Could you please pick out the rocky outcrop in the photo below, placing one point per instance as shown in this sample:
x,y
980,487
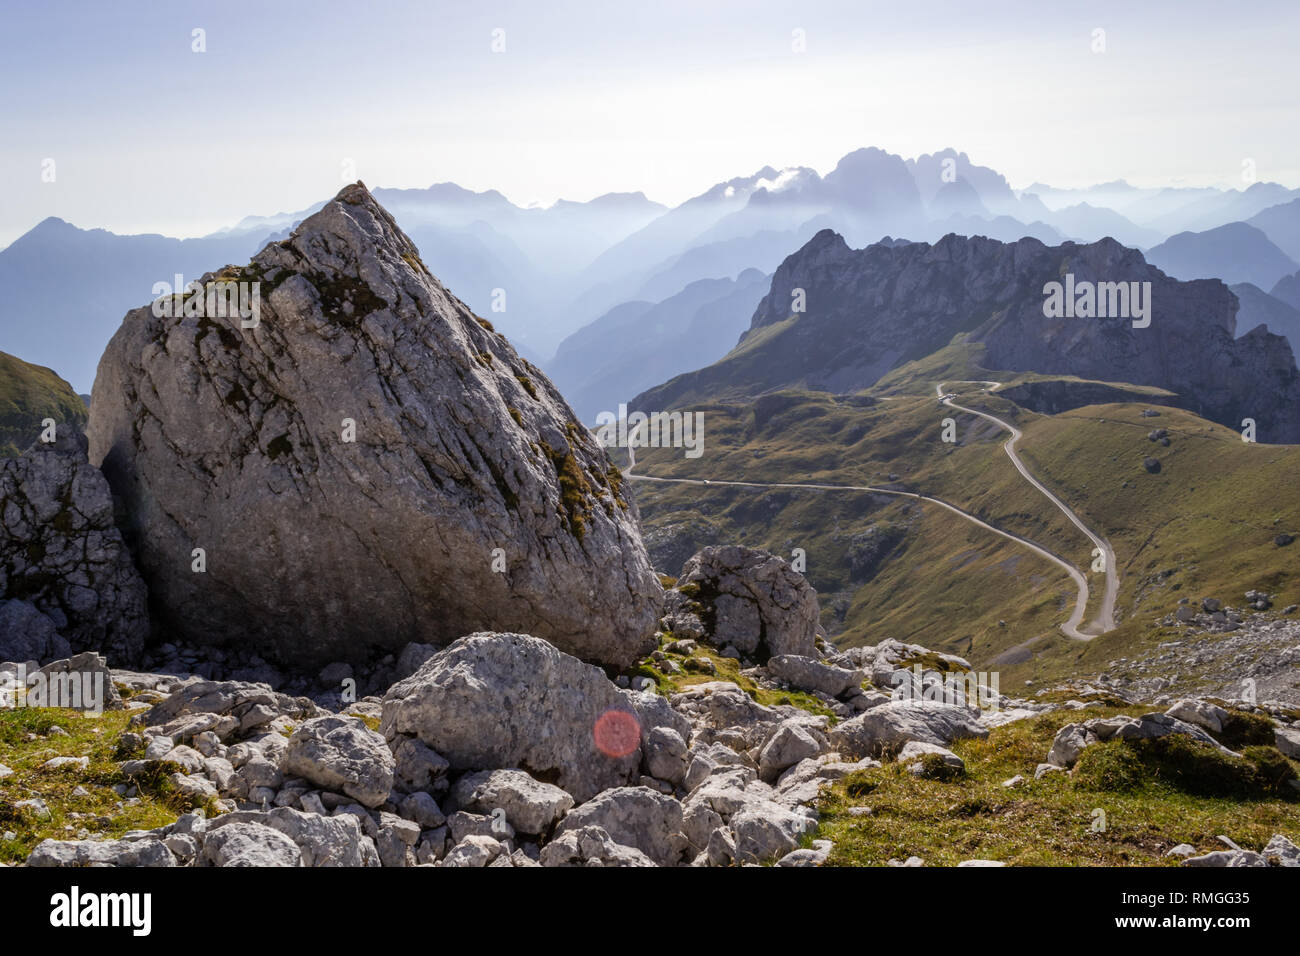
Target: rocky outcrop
x,y
1072,739
747,599
870,310
366,466
1054,395
61,554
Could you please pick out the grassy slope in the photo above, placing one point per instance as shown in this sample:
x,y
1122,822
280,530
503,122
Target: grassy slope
x,y
935,589
1046,822
1203,527
29,394
99,809
1209,516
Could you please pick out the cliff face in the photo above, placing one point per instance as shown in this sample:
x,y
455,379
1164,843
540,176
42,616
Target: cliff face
x,y
369,464
67,582
867,311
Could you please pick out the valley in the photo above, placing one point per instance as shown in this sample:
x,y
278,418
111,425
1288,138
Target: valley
x,y
1184,532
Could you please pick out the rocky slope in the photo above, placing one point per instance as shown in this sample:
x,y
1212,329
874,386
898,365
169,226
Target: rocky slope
x,y
501,750
370,465
873,309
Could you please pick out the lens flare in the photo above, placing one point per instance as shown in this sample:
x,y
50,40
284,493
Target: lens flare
x,y
617,733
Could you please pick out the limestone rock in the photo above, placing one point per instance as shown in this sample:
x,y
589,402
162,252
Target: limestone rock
x,y
344,755
765,830
530,806
474,851
792,742
815,855
336,841
86,673
100,853
633,816
1072,739
912,752
665,755
591,846
502,701
892,725
805,673
201,705
249,844
1287,740
349,463
26,634
1202,713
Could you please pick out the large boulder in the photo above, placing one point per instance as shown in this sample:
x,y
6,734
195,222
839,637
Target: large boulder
x,y
753,601
61,553
511,701
366,465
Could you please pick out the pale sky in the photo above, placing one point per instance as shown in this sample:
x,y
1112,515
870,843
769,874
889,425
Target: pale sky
x,y
667,98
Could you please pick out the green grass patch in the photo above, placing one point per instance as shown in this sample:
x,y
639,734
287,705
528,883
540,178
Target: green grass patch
x,y
1048,822
96,808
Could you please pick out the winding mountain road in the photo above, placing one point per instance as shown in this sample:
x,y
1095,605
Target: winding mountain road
x,y
1105,619
1070,628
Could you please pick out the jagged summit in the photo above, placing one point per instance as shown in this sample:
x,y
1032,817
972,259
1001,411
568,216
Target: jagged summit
x,y
870,310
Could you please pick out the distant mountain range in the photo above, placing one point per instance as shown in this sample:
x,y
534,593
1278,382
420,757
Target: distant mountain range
x,y
639,344
549,278
1236,252
1260,308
